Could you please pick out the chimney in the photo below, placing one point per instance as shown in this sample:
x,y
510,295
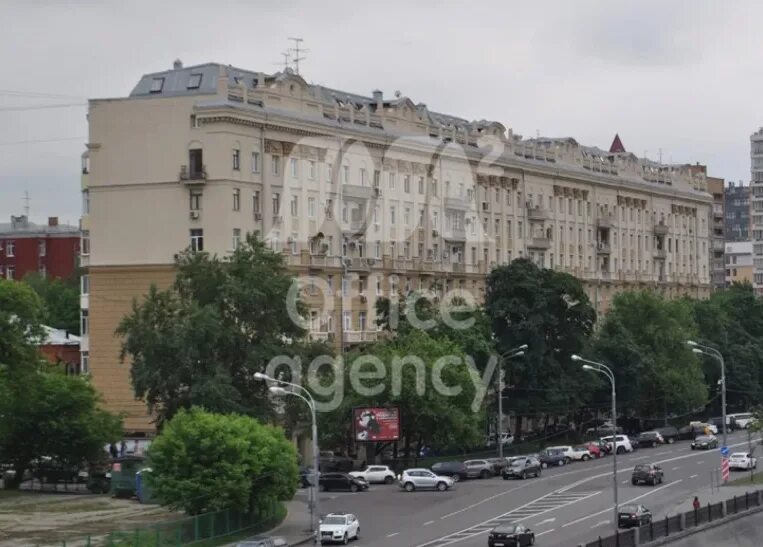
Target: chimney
x,y
52,221
178,64
378,99
222,81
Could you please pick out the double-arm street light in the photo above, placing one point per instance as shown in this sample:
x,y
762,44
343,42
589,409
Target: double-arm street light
x,y
606,371
511,354
298,391
712,352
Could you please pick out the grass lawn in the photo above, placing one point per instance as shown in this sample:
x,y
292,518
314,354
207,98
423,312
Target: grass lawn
x,y
742,478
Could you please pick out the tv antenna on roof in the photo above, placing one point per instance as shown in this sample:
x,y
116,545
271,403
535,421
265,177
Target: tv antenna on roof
x,y
286,62
26,200
297,51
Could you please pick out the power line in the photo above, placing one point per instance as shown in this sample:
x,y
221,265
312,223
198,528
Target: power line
x,y
36,95
39,107
36,141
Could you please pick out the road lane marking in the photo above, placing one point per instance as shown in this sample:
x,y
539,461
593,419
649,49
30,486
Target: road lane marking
x,y
700,461
625,481
602,523
694,476
546,521
546,532
641,458
623,503
663,453
428,522
675,468
392,535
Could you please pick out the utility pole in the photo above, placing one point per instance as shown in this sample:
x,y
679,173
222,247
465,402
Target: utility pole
x,y
297,51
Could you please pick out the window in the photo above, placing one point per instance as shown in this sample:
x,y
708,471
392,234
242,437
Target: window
x,y
407,184
392,181
311,207
236,159
236,239
345,174
345,286
84,282
156,85
196,164
377,178
294,167
195,201
10,272
10,248
84,244
84,322
362,320
194,82
378,286
197,240
236,199
311,170
377,249
276,203
275,165
255,162
346,320
421,185
256,201
392,215
362,174
41,247
434,187
407,216
85,202
294,206
329,173
85,362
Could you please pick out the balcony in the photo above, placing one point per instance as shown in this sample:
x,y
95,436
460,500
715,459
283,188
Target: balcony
x,y
314,261
660,228
321,336
719,245
357,264
537,214
542,243
360,336
193,176
604,222
606,275
456,203
660,254
455,235
353,191
603,248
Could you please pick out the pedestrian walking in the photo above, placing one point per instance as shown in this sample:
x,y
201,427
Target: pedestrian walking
x,y
696,503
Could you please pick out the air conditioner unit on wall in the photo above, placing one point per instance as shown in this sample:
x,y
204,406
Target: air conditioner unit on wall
x,y
194,215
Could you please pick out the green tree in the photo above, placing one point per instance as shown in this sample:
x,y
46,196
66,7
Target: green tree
x,y
550,312
643,339
200,342
205,462
60,299
44,412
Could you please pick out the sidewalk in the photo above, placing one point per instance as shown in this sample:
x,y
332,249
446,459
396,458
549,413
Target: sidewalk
x,y
714,495
295,528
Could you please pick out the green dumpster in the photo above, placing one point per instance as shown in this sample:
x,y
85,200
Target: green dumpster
x,y
123,472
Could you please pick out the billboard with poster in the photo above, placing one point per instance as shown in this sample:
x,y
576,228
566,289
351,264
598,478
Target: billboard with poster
x,y
376,424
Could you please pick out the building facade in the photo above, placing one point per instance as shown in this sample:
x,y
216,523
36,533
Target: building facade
x,y
51,250
738,262
716,188
756,208
61,347
737,210
365,196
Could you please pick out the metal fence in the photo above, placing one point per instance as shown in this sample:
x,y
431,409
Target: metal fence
x,y
674,524
186,531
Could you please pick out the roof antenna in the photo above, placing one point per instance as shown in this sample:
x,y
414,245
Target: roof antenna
x,y
26,200
297,50
285,61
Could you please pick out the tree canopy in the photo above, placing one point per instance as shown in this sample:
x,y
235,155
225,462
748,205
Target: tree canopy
x,y
60,298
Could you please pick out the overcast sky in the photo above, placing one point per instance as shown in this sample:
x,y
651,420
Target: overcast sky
x,y
685,77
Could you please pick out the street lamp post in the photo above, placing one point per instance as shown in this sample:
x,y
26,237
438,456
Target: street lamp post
x,y
512,353
305,395
606,371
712,352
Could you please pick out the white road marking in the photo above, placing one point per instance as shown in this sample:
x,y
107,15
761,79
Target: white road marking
x,y
662,453
602,523
625,481
694,476
700,461
641,458
392,535
546,521
675,468
546,532
428,522
623,503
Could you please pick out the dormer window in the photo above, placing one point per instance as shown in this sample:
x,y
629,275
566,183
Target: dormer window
x,y
156,85
194,82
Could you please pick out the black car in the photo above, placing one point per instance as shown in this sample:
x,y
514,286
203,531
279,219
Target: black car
x,y
649,438
633,515
514,535
704,442
552,457
521,468
455,470
669,433
647,473
341,481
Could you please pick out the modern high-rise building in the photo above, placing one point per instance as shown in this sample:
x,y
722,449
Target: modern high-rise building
x,y
365,196
737,212
756,208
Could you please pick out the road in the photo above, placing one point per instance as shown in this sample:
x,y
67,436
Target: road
x,y
565,506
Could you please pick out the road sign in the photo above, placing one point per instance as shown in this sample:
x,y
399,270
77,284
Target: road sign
x,y
725,451
724,469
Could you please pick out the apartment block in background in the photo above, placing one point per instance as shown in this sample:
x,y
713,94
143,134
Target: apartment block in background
x,y
51,250
366,196
756,208
736,209
738,262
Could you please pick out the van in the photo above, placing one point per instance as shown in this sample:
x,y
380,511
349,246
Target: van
x,y
741,420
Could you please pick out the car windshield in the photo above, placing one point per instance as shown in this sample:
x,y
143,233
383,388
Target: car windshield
x,y
702,439
629,509
641,467
739,455
335,520
509,529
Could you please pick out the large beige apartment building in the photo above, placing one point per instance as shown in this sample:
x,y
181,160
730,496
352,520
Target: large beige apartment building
x,y
365,195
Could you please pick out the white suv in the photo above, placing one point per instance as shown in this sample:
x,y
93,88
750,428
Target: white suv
x,y
424,479
568,451
339,528
622,444
375,473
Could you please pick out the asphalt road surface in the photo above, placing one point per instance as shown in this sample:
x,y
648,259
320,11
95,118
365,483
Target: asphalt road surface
x,y
566,506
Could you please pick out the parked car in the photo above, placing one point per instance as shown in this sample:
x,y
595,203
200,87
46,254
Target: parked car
x,y
603,446
339,528
341,481
479,468
263,541
595,449
622,444
511,534
581,454
669,433
424,479
499,464
549,457
567,450
329,462
704,442
506,437
649,438
455,470
633,515
522,468
648,473
741,420
742,460
603,429
376,473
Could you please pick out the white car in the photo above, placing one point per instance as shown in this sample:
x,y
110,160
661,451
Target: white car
x,y
742,460
741,421
581,453
424,479
339,528
568,451
622,444
376,473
